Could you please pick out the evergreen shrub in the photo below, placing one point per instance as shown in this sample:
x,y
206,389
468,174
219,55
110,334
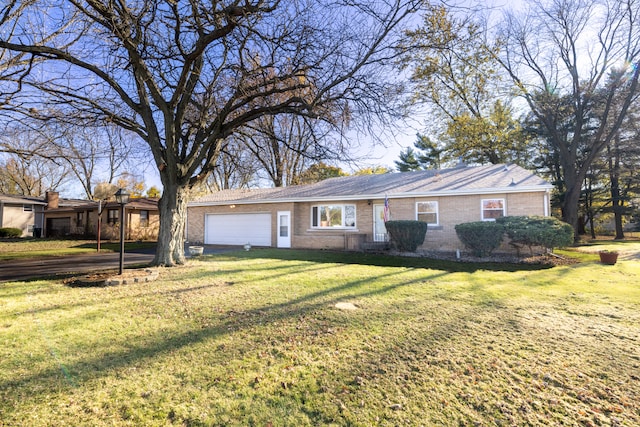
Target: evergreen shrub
x,y
481,237
531,231
10,232
406,235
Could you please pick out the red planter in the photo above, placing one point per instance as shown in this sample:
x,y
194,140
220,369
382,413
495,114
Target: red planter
x,y
609,258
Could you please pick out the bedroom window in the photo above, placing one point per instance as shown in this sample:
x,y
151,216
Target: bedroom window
x,y
113,216
333,216
427,212
492,209
144,218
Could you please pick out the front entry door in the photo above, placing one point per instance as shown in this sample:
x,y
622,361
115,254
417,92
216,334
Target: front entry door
x,y
284,229
379,230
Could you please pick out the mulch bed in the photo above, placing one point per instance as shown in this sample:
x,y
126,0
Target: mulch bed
x,y
540,259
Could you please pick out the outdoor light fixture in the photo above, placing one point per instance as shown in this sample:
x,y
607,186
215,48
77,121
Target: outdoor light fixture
x,y
122,197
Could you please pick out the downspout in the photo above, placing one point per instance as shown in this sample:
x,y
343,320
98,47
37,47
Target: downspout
x,y
128,224
546,203
41,220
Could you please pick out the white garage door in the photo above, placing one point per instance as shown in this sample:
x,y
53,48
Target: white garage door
x,y
238,229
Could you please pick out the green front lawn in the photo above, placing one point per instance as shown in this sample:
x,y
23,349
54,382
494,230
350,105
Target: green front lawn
x,y
255,338
38,248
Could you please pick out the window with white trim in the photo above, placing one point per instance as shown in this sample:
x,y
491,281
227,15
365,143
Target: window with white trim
x,y
333,216
492,209
27,208
427,212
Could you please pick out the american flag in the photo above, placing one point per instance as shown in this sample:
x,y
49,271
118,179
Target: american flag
x,y
386,213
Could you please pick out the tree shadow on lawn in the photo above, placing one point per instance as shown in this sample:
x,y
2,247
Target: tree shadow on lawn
x,y
163,342
261,274
384,260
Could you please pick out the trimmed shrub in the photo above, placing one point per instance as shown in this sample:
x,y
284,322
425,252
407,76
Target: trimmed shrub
x,y
531,231
406,235
481,237
10,232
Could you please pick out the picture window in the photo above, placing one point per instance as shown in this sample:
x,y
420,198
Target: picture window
x,y
333,216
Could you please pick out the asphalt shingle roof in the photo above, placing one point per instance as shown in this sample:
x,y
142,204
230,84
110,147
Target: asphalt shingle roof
x,y
12,198
459,180
81,204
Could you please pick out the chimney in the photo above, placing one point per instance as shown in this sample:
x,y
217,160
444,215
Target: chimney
x,y
51,197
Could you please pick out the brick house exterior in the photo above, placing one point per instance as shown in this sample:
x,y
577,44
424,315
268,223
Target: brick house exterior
x,y
347,212
75,217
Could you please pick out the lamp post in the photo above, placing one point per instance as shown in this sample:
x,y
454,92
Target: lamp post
x,y
122,197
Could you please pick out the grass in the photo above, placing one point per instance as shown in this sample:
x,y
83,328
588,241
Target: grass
x,y
254,338
33,248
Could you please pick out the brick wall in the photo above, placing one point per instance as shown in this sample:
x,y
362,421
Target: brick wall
x,y
452,210
196,217
89,226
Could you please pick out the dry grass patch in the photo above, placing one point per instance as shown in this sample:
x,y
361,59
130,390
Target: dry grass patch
x,y
255,339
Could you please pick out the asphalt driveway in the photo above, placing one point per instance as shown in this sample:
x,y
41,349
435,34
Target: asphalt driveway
x,y
34,268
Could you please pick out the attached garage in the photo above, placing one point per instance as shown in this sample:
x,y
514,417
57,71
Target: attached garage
x,y
58,227
238,229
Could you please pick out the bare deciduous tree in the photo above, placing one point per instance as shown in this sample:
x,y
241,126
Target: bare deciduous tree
x,y
563,56
88,154
236,167
95,154
13,66
30,175
186,75
285,145
24,19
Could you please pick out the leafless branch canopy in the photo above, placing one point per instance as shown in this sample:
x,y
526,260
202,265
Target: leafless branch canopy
x,y
185,75
577,65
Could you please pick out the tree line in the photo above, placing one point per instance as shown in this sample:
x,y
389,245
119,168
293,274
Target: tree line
x,y
221,93
552,87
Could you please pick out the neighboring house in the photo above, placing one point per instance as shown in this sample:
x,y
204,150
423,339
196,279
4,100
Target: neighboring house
x,y
346,212
23,212
72,217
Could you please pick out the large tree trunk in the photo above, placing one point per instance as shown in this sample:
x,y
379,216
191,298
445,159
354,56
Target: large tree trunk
x,y
617,211
614,177
173,216
588,205
223,66
570,207
617,206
